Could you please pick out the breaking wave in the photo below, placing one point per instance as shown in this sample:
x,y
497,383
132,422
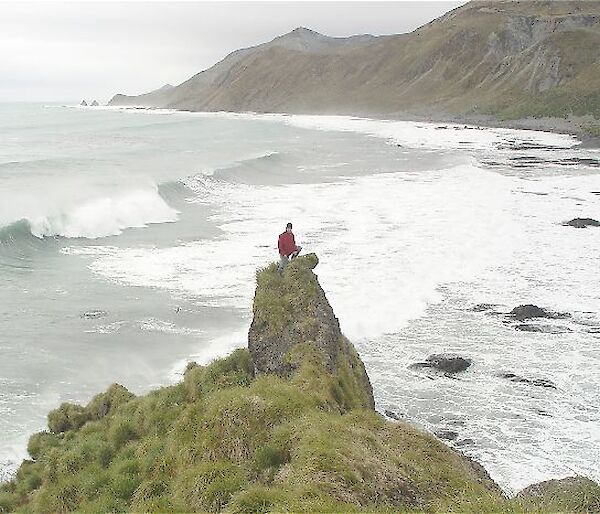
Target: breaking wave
x,y
91,219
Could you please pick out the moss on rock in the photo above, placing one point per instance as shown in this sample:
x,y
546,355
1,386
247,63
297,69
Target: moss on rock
x,y
291,310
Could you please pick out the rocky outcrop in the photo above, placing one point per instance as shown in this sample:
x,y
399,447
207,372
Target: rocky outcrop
x,y
582,223
446,363
292,310
95,103
529,311
288,427
83,103
540,382
484,307
543,329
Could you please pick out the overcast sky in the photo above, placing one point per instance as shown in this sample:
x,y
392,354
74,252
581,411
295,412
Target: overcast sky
x,y
67,51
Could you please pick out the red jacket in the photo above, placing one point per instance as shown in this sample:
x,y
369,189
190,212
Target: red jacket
x,y
287,244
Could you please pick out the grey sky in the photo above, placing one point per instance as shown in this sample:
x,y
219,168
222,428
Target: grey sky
x,y
66,51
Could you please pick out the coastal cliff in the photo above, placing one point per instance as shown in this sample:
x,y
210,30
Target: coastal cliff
x,y
288,425
494,61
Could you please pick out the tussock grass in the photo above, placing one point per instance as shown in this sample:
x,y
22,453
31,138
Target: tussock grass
x,y
230,441
226,440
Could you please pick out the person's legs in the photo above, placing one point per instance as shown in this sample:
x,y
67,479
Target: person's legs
x,y
283,262
295,254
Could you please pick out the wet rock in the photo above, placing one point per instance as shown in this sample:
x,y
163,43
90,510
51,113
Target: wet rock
x,y
582,223
528,311
539,382
575,161
392,415
94,314
544,329
446,363
467,441
483,307
446,435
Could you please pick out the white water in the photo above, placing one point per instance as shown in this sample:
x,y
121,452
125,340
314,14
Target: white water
x,y
406,246
386,242
105,216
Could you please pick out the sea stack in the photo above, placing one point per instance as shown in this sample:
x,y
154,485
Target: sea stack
x,y
291,314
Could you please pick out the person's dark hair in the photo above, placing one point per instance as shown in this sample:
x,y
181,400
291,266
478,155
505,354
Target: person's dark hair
x,y
289,225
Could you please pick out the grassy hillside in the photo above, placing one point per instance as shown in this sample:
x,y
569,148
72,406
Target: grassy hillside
x,y
505,59
228,439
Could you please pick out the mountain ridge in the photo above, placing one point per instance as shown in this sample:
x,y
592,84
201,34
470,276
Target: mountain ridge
x,y
501,60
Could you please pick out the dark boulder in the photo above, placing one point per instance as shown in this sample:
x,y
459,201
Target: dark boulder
x,y
83,103
540,382
446,363
95,314
484,307
529,311
392,415
447,435
582,223
464,442
544,329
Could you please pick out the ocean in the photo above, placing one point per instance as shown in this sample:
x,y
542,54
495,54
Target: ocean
x,y
130,239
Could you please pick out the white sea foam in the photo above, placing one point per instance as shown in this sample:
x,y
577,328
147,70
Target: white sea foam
x,y
390,230
431,135
412,134
107,216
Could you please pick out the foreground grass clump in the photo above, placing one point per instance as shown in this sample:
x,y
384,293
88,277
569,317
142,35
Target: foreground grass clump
x,y
225,440
234,439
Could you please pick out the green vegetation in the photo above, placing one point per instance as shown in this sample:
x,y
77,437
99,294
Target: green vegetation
x,y
279,297
559,103
225,439
576,494
592,129
292,308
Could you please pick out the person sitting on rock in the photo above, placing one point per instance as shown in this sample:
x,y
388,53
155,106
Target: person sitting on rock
x,y
287,247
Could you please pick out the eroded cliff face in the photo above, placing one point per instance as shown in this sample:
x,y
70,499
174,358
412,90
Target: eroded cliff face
x,y
291,313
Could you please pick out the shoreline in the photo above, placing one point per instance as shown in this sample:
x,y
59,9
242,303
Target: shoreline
x,y
572,126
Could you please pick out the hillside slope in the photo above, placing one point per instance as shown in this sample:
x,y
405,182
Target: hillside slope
x,y
508,59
